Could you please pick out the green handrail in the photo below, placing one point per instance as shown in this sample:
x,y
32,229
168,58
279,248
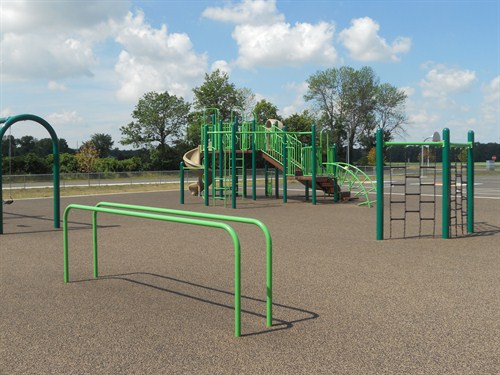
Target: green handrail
x,y
243,220
205,223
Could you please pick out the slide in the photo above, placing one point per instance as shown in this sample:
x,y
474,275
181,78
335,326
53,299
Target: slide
x,y
192,161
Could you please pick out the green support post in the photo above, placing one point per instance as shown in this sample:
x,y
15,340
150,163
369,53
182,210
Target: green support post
x,y
221,162
276,183
380,183
470,182
234,180
254,163
314,163
205,164
446,184
336,186
266,178
181,171
285,165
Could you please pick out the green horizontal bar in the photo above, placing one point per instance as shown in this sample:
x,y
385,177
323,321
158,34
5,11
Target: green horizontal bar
x,y
237,219
440,143
205,223
458,145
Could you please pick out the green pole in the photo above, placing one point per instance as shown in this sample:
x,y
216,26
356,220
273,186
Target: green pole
x,y
380,183
285,165
214,137
470,182
205,164
254,163
266,177
221,161
276,183
314,163
181,171
335,180
233,164
446,184
57,194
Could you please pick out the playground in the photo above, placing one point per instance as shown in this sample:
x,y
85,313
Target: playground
x,y
164,301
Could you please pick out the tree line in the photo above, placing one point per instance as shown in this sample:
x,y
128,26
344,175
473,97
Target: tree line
x,y
346,104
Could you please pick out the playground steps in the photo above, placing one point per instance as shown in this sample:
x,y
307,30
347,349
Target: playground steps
x,y
323,183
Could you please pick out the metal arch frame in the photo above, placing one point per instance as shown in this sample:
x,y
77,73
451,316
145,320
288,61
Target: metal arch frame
x,y
353,171
7,123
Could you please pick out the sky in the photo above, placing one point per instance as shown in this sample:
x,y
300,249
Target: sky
x,y
83,65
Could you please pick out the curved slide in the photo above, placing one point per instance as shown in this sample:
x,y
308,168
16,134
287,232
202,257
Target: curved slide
x,y
192,160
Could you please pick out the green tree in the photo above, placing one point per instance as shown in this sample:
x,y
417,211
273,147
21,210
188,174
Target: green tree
x,y
103,143
86,157
26,145
160,120
352,103
300,123
265,110
218,92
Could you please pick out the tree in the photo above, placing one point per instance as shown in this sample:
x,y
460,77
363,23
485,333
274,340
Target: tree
x,y
265,110
351,103
103,143
86,157
160,122
218,92
300,123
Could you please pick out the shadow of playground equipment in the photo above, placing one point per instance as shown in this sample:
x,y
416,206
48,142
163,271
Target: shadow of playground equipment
x,y
278,324
14,216
484,229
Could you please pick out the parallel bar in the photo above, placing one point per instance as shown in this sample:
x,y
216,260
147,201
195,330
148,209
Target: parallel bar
x,y
237,219
205,223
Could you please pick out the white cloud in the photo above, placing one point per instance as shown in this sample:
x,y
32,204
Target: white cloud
x,y
265,39
441,81
67,118
53,85
364,44
247,12
298,104
490,108
222,65
154,60
53,40
408,90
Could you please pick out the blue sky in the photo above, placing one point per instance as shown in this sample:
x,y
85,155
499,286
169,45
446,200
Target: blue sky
x,y
82,65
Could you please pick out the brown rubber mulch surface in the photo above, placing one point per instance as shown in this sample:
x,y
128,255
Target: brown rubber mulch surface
x,y
344,303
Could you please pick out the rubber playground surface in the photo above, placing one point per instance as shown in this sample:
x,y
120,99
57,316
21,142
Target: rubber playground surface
x,y
343,303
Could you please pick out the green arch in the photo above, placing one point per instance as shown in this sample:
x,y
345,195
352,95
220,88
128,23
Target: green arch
x,y
356,180
8,122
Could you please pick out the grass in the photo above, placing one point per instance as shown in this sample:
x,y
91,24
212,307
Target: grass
x,y
86,190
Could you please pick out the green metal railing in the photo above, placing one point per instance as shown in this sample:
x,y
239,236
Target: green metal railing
x,y
236,219
198,222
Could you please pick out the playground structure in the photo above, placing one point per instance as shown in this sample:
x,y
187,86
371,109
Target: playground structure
x,y
7,123
221,161
177,216
457,188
